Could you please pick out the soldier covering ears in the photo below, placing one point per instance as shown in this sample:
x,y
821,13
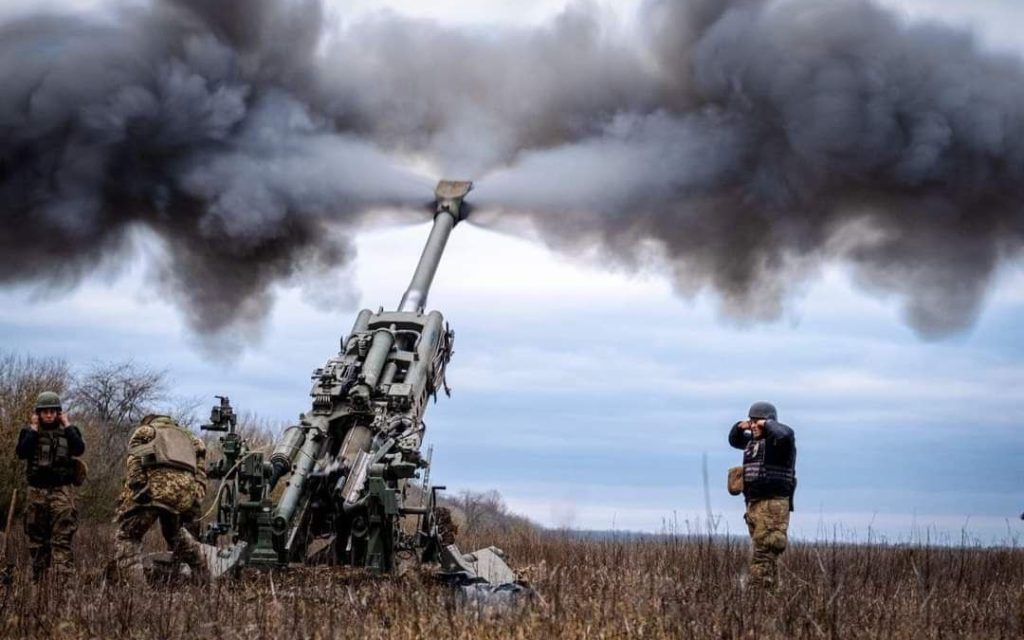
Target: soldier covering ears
x,y
768,483
49,445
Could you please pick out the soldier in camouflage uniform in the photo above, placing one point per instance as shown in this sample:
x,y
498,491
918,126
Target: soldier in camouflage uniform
x,y
165,483
48,445
769,480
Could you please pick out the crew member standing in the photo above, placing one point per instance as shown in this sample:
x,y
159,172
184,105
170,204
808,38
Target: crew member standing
x,y
48,446
769,480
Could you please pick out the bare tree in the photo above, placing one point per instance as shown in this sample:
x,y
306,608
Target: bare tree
x,y
109,400
184,410
118,394
484,511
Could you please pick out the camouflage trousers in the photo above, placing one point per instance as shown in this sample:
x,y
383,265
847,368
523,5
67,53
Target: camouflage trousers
x,y
768,522
51,521
132,527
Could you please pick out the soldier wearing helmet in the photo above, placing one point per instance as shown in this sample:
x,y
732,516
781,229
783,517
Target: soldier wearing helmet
x,y
769,480
165,483
49,445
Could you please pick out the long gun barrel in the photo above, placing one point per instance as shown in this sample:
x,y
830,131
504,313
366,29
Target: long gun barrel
x,y
349,459
449,195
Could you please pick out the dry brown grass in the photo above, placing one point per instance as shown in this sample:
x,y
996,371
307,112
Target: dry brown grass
x,y
666,588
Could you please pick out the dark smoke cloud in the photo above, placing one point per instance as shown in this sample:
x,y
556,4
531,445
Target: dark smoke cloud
x,y
473,99
789,133
188,119
738,145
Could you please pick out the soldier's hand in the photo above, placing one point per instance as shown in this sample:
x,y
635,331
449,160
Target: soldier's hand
x,y
63,419
34,421
744,425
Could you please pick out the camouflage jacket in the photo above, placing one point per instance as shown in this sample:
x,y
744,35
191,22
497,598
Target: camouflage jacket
x,y
169,488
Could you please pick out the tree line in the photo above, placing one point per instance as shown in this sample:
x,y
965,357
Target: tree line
x,y
107,400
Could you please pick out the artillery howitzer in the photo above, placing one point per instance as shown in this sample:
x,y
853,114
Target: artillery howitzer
x,y
350,458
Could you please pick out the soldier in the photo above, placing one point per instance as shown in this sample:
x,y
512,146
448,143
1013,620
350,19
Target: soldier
x,y
165,482
769,480
48,445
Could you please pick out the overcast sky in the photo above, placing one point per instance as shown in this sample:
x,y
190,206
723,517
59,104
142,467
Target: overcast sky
x,y
588,397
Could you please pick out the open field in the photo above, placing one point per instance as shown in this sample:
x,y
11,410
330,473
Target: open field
x,y
666,588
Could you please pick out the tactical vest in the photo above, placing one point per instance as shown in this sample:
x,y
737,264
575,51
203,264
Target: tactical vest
x,y
171,448
52,465
768,469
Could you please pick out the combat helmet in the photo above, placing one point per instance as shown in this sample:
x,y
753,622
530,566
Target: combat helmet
x,y
48,400
763,411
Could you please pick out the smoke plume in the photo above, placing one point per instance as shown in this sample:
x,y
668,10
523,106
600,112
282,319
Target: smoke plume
x,y
786,134
188,118
738,145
